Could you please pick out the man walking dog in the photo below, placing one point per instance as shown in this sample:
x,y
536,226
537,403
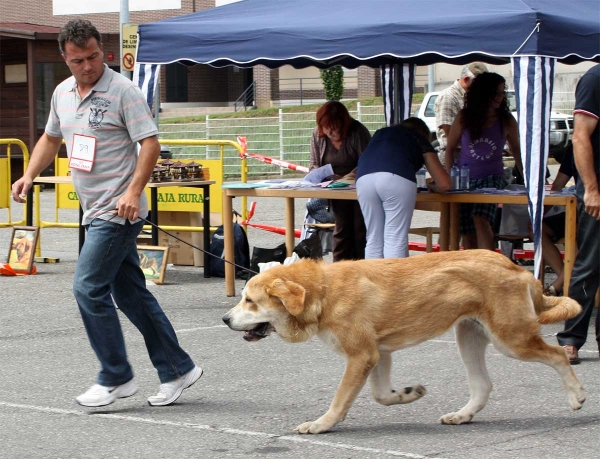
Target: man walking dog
x,y
103,116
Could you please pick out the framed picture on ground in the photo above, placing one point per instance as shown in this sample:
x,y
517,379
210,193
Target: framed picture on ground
x,y
23,242
153,261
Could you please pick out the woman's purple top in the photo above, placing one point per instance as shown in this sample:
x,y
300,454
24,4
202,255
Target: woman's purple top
x,y
484,155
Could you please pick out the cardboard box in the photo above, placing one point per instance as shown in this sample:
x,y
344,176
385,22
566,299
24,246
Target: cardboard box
x,y
180,253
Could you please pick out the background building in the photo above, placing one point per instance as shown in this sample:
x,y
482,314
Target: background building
x,y
31,66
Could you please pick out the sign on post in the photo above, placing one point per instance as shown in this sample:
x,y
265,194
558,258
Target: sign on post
x,y
129,45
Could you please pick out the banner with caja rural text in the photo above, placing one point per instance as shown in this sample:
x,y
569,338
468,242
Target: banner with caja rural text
x,y
175,198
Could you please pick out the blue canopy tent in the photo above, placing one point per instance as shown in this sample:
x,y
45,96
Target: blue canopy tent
x,y
396,35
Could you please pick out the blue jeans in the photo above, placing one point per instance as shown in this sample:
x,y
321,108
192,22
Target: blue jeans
x,y
109,265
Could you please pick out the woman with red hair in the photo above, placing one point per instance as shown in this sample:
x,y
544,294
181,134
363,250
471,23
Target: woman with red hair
x,y
339,140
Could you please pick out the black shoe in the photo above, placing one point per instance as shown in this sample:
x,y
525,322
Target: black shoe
x,y
572,354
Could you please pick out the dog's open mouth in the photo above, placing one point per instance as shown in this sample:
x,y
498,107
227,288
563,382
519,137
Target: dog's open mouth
x,y
261,331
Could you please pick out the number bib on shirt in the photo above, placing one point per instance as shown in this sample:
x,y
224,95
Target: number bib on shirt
x,y
83,152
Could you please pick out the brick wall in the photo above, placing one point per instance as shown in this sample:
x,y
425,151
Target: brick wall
x,y
40,12
235,80
308,94
369,82
263,76
206,84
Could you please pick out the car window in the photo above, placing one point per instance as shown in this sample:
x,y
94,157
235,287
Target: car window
x,y
512,101
430,103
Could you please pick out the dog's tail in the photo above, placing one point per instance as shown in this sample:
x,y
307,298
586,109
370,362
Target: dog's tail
x,y
556,309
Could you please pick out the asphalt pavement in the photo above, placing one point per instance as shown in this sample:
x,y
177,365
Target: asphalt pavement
x,y
253,395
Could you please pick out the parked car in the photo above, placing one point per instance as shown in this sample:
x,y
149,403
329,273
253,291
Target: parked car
x,y
561,125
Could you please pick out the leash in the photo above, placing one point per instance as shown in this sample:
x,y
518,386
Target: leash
x,y
198,248
181,240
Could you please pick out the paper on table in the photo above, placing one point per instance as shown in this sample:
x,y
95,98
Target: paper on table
x,y
319,174
245,185
346,181
293,184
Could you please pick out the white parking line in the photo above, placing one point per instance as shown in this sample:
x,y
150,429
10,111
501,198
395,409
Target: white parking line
x,y
225,430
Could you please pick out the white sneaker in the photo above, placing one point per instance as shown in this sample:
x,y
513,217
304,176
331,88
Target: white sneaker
x,y
98,395
171,391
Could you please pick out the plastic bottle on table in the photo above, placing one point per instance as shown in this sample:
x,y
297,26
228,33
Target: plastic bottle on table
x,y
464,177
455,177
421,178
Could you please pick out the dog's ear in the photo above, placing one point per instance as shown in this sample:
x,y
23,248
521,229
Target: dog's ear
x,y
291,295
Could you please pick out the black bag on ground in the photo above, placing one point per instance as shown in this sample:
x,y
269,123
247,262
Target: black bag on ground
x,y
241,252
264,255
310,247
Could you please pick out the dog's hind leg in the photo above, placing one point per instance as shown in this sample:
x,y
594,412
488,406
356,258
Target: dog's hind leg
x,y
381,385
472,342
533,348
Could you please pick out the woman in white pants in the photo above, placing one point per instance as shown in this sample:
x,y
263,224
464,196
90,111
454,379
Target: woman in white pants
x,y
387,187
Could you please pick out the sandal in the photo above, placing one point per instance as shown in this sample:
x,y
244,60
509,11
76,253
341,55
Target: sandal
x,y
550,290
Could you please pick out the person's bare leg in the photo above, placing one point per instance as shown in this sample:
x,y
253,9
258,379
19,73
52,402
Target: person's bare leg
x,y
469,241
553,258
485,235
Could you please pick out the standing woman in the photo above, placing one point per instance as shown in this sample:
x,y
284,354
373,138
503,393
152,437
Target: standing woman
x,y
387,187
339,140
483,127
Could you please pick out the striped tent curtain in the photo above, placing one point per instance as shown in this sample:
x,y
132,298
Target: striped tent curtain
x,y
397,104
534,81
146,77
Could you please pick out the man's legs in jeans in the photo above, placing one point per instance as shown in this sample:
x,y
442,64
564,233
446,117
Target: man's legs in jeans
x,y
108,263
584,280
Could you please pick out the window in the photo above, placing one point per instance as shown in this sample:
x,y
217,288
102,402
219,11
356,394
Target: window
x,y
49,75
15,73
430,103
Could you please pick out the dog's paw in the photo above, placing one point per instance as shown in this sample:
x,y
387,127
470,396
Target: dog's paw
x,y
455,418
312,427
407,395
576,399
411,393
323,424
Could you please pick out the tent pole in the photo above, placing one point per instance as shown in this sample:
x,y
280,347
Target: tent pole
x,y
123,19
431,78
397,89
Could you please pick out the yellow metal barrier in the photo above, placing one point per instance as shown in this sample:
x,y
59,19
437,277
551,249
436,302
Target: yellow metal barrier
x,y
169,198
5,179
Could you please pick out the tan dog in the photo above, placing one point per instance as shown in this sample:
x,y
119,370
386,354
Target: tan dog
x,y
368,309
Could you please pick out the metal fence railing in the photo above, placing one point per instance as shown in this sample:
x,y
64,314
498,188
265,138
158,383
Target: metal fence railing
x,y
309,90
563,102
6,181
246,99
285,137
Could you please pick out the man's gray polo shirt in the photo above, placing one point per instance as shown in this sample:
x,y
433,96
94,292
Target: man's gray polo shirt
x,y
115,112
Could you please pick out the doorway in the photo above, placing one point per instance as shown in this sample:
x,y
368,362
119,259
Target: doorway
x,y
177,83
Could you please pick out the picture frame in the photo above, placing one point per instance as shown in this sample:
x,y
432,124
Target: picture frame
x,y
153,262
21,253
